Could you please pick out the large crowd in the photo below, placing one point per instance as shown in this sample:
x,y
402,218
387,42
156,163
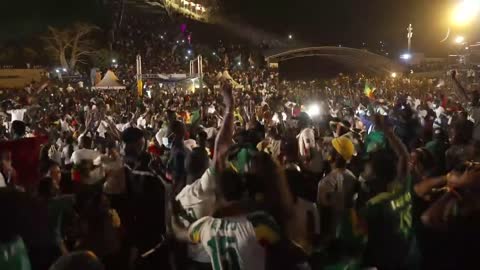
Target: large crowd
x,y
249,172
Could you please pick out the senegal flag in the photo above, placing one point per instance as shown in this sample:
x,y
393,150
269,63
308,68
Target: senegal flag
x,y
369,91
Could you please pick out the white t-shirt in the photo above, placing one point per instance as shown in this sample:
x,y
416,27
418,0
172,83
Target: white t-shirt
x,y
121,127
66,156
235,240
84,154
162,133
64,125
198,199
17,115
338,187
211,132
102,129
306,141
141,122
3,183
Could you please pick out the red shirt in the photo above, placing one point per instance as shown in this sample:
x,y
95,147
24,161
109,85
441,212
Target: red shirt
x,y
25,158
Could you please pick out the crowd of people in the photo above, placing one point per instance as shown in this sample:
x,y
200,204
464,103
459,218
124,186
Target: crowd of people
x,y
249,172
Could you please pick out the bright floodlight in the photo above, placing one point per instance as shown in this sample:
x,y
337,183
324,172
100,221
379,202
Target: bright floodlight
x,y
239,63
394,74
290,36
459,39
313,110
465,12
189,52
64,70
57,70
114,60
406,56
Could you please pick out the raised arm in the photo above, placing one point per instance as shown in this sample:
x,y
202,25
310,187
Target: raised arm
x,y
397,146
459,85
225,135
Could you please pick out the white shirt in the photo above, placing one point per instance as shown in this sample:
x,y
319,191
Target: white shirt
x,y
306,141
141,122
64,125
198,199
162,133
232,240
84,154
2,181
17,115
102,129
211,132
121,127
338,187
66,156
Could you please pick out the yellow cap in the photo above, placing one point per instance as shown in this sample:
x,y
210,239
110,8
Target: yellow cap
x,y
344,147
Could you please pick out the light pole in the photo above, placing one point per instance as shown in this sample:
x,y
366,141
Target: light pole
x,y
409,37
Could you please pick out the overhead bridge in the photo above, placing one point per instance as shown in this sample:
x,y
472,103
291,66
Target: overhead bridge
x,y
355,59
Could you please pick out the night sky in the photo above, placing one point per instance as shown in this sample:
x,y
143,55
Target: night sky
x,y
350,22
313,22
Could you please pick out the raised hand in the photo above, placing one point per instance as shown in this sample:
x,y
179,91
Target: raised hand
x,y
454,74
88,120
227,91
467,179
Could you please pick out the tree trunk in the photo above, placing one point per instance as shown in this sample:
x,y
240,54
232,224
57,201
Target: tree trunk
x,y
63,59
74,56
73,62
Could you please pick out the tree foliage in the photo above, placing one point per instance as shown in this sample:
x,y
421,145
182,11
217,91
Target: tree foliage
x,y
103,58
71,45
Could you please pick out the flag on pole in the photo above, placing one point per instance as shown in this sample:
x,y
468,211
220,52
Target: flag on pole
x,y
251,61
225,60
238,59
369,91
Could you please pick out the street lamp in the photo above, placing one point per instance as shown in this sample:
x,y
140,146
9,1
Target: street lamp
x,y
290,36
406,56
465,12
394,75
460,40
114,61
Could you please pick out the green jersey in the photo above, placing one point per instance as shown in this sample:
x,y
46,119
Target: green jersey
x,y
391,241
14,256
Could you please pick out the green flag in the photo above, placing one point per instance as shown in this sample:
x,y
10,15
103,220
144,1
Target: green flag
x,y
195,117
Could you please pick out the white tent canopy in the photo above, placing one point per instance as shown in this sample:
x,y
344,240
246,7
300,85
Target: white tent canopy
x,y
109,81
